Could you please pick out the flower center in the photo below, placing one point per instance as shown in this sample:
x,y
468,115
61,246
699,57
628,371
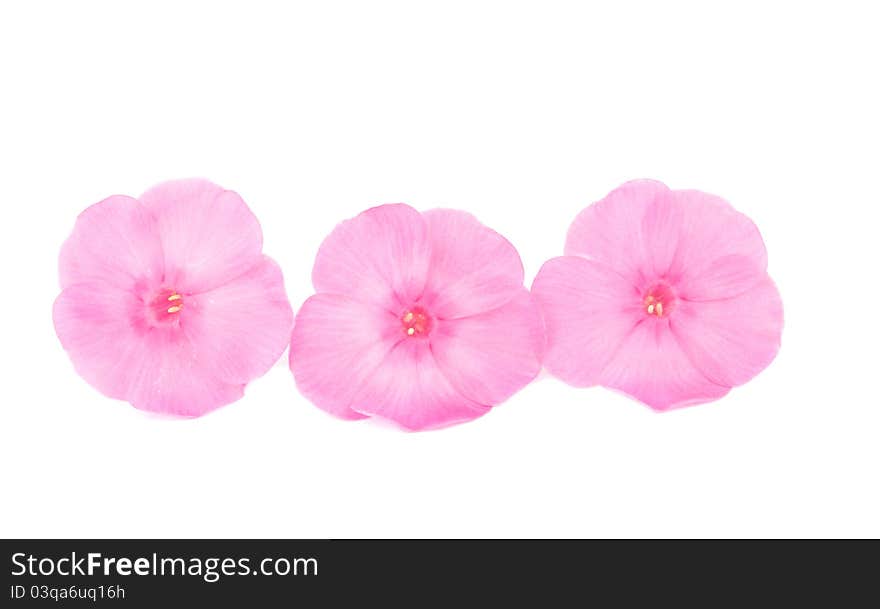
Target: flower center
x,y
416,322
165,307
659,300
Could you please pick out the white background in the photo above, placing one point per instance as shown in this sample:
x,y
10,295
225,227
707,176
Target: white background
x,y
522,113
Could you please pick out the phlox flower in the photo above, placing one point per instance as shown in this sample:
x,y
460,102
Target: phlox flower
x,y
419,318
168,302
661,294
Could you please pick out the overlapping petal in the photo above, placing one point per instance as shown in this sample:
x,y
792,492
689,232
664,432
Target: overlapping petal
x,y
588,311
242,327
610,231
731,340
473,269
97,324
209,235
337,344
490,356
410,389
652,367
169,376
155,369
697,239
380,256
710,229
115,241
725,277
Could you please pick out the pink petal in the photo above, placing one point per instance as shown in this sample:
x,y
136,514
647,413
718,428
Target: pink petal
x,y
732,340
102,329
724,277
95,323
661,234
648,232
380,256
651,366
169,376
336,346
241,328
115,241
609,231
588,311
410,389
209,236
473,268
696,237
491,356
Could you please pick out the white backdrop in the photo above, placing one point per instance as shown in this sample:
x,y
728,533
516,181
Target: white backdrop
x,y
522,113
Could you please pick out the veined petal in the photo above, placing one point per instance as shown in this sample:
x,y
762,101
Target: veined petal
x,y
209,235
97,325
473,269
588,311
168,376
409,388
336,347
609,231
380,256
115,241
723,278
661,234
732,340
241,328
651,366
103,330
712,240
491,356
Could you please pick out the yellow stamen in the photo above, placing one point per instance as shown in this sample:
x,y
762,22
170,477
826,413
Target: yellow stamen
x,y
411,331
651,309
659,309
408,317
173,297
174,309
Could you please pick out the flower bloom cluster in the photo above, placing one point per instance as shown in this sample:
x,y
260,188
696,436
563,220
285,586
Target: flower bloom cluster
x,y
168,303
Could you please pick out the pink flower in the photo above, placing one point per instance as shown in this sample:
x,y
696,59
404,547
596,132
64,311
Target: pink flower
x,y
168,301
663,295
419,318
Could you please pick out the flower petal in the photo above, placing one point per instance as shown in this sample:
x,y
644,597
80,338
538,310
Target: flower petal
x,y
706,240
410,389
724,277
241,328
491,356
609,230
96,325
651,366
209,235
155,369
336,346
473,269
168,376
661,234
380,256
732,340
115,241
588,311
